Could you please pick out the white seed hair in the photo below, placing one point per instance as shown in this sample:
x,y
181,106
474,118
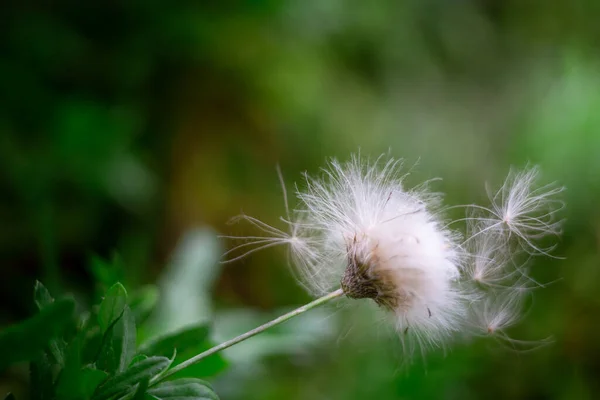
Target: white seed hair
x,y
490,256
358,226
520,209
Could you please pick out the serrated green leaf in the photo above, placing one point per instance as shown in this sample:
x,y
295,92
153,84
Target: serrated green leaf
x,y
112,306
118,347
143,301
185,388
26,341
188,341
126,380
41,296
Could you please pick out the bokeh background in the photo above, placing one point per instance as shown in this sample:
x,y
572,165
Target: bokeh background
x,y
134,130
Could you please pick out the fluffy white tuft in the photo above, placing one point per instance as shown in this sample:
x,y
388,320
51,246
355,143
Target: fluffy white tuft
x,y
360,212
520,209
357,226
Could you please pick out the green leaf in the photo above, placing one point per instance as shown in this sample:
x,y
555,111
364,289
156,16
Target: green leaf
x,y
143,301
26,341
158,376
90,378
43,299
138,358
80,384
10,396
107,273
112,306
126,380
57,348
41,383
142,387
91,343
69,375
182,340
78,380
186,388
118,347
41,296
189,341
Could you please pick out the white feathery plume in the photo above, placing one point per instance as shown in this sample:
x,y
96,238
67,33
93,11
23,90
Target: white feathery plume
x,y
489,256
520,209
357,226
386,243
498,311
300,246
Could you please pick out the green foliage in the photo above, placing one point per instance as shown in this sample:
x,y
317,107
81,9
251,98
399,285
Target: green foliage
x,y
112,306
56,346
123,382
123,124
25,341
41,377
80,383
188,388
142,302
188,342
42,296
118,347
181,340
95,356
106,272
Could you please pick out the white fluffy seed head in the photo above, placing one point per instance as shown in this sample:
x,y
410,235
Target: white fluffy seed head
x,y
386,243
357,226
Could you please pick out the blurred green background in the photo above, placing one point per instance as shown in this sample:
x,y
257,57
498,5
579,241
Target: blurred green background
x,y
139,128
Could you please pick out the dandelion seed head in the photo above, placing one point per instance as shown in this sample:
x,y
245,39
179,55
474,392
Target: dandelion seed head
x,y
386,243
357,225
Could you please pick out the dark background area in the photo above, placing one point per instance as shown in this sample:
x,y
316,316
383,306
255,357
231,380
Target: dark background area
x,y
139,128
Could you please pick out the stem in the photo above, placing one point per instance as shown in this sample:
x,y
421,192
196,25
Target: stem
x,y
251,333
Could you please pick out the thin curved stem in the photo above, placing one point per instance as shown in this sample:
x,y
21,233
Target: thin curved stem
x,y
197,358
